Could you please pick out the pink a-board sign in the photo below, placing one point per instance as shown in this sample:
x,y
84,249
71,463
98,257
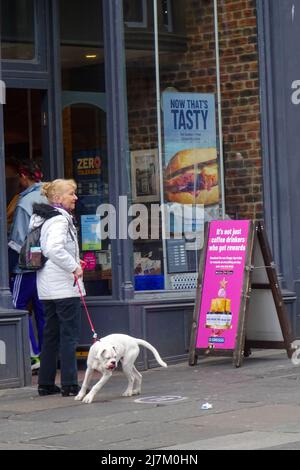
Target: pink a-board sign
x,y
222,284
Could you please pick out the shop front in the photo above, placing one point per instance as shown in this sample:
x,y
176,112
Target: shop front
x,y
153,108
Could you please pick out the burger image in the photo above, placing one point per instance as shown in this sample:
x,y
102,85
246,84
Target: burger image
x,y
191,177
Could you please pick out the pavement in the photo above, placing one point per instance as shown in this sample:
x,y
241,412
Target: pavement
x,y
256,406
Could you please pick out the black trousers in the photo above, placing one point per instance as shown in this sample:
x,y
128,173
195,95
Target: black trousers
x,y
61,336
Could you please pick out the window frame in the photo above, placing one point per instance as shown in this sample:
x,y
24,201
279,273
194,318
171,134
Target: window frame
x,y
139,24
39,62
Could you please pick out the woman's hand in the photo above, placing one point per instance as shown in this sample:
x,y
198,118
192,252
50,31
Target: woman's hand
x,y
82,264
78,272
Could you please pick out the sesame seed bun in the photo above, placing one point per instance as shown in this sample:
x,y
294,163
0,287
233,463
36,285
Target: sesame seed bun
x,y
191,177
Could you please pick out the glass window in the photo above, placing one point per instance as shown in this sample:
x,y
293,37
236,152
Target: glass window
x,y
180,179
84,132
189,140
143,146
17,29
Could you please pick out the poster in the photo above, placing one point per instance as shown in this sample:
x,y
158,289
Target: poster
x,y
88,175
190,153
191,179
90,232
145,175
222,284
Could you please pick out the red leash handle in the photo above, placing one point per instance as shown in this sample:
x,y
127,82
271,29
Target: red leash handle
x,y
95,336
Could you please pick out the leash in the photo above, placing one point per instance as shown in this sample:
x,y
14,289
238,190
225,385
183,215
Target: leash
x,y
95,336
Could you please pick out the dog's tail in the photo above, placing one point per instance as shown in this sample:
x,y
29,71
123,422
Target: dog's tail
x,y
147,345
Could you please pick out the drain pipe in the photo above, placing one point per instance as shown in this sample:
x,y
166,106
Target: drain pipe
x,y
219,104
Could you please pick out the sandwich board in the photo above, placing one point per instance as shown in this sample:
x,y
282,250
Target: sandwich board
x,y
238,299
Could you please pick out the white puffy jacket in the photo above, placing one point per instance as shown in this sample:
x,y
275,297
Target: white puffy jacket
x,y
59,244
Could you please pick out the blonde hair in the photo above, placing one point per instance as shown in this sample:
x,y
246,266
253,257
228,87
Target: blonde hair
x,y
56,188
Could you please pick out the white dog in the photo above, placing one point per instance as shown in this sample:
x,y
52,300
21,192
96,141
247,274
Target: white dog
x,y
104,356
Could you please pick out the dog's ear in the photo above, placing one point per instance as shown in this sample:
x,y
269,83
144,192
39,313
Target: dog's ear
x,y
103,352
99,354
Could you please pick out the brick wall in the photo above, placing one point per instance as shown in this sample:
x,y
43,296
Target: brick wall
x,y
194,70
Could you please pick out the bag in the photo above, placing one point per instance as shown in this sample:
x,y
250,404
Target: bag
x,y
31,257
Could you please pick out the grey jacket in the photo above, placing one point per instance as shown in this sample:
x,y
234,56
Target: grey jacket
x,y
20,224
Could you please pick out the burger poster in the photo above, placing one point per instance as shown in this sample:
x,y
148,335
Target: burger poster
x,y
190,153
222,284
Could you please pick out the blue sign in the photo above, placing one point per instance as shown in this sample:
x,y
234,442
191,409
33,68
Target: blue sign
x,y
90,232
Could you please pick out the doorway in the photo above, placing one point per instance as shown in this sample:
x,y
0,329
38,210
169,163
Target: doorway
x,y
23,133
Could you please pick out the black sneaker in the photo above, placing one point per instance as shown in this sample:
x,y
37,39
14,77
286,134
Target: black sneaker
x,y
48,390
67,390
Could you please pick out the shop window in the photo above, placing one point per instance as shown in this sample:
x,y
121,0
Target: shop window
x,y
84,133
17,29
144,165
183,187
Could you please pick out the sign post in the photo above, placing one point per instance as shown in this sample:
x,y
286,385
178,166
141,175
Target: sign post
x,y
238,301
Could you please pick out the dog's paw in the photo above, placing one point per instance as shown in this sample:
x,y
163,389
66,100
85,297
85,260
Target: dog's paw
x,y
88,398
127,393
79,396
136,392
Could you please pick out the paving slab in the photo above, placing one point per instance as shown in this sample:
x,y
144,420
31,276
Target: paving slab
x,y
245,441
249,403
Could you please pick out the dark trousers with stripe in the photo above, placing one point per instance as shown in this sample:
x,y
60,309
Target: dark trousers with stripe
x,y
61,337
24,291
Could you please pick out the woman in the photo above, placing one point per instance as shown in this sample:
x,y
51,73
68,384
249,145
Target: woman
x,y
57,289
